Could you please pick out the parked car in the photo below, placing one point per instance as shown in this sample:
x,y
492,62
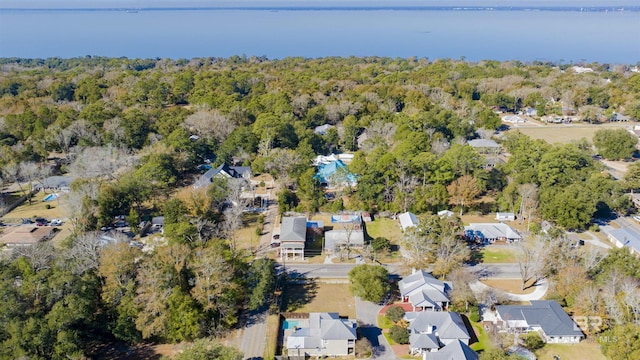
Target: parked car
x,y
275,240
41,222
27,221
636,218
55,222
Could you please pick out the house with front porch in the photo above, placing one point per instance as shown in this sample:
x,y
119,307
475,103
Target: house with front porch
x,y
321,334
424,291
293,235
430,331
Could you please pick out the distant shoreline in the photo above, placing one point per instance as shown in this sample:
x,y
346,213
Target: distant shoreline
x,y
333,7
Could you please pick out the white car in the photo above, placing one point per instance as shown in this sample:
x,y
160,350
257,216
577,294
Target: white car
x,y
55,222
636,218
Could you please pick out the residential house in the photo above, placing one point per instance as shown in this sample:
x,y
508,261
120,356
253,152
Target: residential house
x,y
293,234
424,291
491,232
223,171
321,334
335,174
446,213
26,235
624,237
408,220
505,216
489,150
544,316
485,146
430,331
351,231
322,129
618,117
457,350
514,119
335,238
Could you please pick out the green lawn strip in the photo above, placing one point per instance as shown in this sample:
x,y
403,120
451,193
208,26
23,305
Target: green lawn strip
x,y
384,323
389,339
484,343
498,256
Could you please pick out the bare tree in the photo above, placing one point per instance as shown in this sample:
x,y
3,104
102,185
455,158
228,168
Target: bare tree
x,y
106,162
531,260
529,203
40,256
210,125
451,253
417,248
79,202
461,292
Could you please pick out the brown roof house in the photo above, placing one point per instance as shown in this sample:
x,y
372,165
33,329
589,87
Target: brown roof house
x,y
17,236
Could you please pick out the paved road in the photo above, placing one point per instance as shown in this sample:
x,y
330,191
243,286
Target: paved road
x,y
497,271
337,271
253,337
540,290
367,313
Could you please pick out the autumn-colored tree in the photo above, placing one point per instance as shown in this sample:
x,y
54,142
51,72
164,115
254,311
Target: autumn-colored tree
x,y
463,191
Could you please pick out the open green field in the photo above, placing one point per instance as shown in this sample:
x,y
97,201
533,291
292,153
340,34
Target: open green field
x,y
563,134
384,227
319,297
498,254
585,350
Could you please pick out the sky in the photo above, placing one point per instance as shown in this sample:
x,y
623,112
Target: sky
x,y
209,3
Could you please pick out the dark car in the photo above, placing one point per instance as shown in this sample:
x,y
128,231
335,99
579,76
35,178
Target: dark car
x,y
27,221
41,222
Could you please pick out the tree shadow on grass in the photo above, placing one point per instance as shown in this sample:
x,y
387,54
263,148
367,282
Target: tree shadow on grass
x,y
298,293
472,334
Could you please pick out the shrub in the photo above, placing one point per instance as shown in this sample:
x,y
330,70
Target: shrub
x,y
399,334
395,313
380,243
533,341
474,314
47,206
363,348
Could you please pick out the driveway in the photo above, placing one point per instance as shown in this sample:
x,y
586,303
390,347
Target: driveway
x,y
541,289
367,314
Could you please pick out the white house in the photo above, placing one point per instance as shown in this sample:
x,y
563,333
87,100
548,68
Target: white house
x,y
505,216
491,232
429,331
424,292
544,316
408,220
322,334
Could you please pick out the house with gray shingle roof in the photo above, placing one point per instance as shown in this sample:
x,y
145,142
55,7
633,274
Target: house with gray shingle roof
x,y
322,334
223,171
457,350
424,291
544,316
429,331
293,235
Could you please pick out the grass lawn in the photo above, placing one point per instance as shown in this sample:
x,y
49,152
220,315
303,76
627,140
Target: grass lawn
x,y
384,227
37,208
273,323
484,343
585,350
513,286
319,297
498,255
562,133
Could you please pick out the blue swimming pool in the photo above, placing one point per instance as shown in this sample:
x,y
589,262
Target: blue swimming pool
x,y
289,324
